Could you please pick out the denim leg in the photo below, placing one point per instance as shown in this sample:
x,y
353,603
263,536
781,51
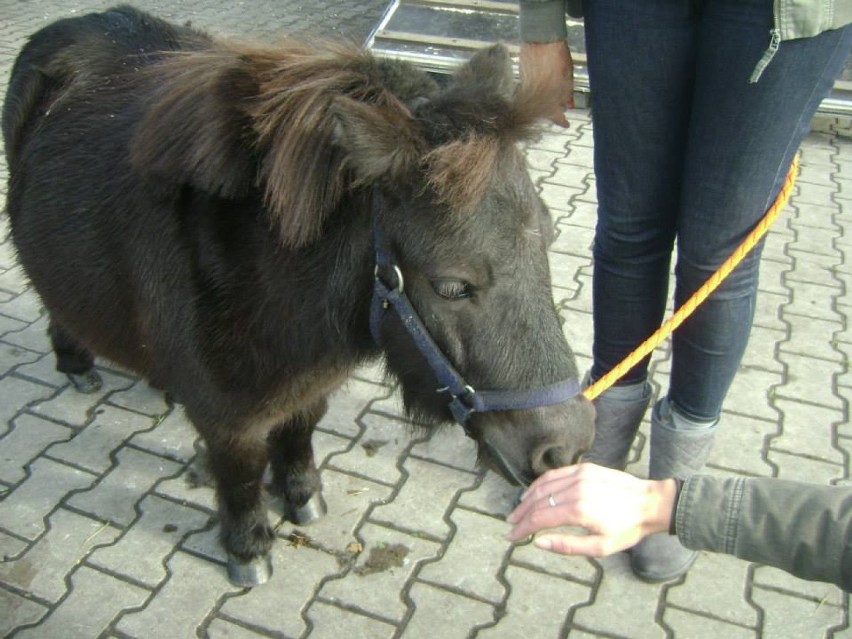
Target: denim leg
x,y
641,56
741,140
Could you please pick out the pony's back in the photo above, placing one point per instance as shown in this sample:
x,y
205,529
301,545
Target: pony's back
x,y
93,45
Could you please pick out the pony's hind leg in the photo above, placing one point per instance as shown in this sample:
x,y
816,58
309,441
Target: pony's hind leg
x,y
295,477
74,360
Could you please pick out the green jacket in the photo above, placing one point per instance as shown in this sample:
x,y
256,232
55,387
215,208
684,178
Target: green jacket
x,y
544,20
804,529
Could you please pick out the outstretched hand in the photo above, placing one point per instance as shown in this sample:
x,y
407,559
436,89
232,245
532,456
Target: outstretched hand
x,y
550,64
615,508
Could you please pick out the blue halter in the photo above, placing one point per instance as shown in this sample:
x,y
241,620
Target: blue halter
x,y
464,400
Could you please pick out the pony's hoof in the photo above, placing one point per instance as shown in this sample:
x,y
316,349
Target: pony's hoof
x,y
312,510
88,382
248,574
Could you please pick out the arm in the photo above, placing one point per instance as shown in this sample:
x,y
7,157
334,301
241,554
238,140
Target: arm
x,y
545,56
804,529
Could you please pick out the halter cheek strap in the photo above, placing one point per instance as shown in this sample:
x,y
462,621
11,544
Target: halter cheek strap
x,y
463,400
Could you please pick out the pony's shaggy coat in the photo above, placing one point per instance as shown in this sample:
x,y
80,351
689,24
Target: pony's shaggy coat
x,y
199,212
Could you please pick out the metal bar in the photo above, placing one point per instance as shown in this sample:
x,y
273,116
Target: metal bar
x,y
509,8
455,43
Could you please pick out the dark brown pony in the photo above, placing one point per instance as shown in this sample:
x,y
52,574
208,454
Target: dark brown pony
x,y
200,213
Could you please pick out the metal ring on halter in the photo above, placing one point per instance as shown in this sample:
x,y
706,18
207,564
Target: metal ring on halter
x,y
400,281
551,501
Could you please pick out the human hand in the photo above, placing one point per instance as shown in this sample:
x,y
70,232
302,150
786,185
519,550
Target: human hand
x,y
616,508
550,63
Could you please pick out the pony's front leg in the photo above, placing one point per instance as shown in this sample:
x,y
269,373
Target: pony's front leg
x,y
295,477
237,464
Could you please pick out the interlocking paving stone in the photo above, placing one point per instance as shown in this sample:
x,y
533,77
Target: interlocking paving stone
x,y
141,551
140,398
30,336
786,616
771,578
748,396
685,624
740,444
279,605
18,611
762,341
807,429
622,606
699,590
573,568
797,342
183,603
391,436
29,436
173,437
537,603
15,395
420,505
448,446
93,446
476,536
440,613
43,370
26,307
92,603
330,622
114,497
75,408
801,468
808,380
12,357
493,496
42,569
387,562
24,509
787,415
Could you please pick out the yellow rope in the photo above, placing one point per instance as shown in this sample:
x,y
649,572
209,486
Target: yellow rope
x,y
701,294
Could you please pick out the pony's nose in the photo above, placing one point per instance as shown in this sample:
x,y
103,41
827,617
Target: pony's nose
x,y
550,456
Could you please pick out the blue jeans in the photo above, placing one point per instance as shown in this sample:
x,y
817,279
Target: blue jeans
x,y
688,151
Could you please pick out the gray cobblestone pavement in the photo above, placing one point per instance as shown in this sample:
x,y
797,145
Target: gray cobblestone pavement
x,y
104,534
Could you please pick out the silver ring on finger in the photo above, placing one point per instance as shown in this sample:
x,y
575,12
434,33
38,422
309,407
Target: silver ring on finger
x,y
551,501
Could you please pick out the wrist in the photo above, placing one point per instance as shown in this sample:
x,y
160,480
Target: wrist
x,y
660,501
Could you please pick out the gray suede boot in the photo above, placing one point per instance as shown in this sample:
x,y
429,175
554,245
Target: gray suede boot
x,y
679,448
619,410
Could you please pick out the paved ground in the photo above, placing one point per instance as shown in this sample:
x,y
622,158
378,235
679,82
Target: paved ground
x,y
103,534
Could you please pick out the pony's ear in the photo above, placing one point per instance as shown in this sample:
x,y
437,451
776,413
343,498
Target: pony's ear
x,y
381,143
195,131
489,68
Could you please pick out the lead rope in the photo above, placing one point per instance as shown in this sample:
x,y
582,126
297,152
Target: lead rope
x,y
669,326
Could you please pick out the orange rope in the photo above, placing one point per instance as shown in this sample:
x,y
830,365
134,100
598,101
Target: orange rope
x,y
701,294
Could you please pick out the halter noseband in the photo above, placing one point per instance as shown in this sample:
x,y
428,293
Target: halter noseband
x,y
464,399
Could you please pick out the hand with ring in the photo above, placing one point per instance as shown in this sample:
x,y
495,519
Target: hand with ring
x,y
615,508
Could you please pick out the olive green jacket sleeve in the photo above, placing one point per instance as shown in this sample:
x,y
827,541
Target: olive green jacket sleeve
x,y
804,529
544,20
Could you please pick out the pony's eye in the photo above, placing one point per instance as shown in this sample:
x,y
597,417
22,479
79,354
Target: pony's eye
x,y
452,289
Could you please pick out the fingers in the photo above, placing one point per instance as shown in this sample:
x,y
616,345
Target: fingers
x,y
585,545
559,483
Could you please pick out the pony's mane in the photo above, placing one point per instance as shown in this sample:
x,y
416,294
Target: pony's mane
x,y
286,104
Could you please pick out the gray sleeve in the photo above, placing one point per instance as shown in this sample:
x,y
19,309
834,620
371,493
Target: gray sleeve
x,y
804,529
542,20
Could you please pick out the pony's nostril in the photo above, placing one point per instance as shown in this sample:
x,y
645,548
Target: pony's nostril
x,y
555,457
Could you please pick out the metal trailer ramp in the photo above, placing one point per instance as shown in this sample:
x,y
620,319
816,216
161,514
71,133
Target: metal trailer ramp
x,y
437,35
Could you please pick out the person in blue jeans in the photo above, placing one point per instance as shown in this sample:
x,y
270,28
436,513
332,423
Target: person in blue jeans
x,y
698,107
